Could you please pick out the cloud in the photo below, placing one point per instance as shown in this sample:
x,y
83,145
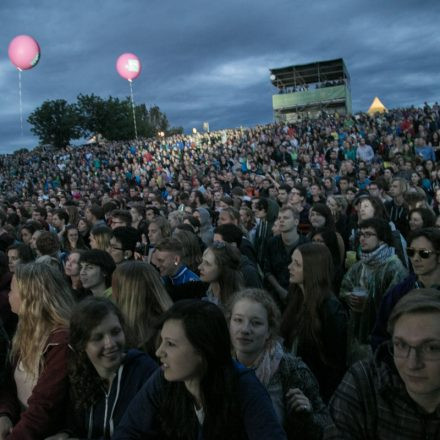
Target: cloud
x,y
211,60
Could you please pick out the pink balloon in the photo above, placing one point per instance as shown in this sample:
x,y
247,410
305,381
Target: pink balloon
x,y
24,52
128,66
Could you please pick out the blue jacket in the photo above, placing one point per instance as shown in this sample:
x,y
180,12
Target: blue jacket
x,y
259,419
99,421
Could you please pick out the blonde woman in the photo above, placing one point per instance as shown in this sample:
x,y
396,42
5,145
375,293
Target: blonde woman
x,y
141,296
32,400
100,238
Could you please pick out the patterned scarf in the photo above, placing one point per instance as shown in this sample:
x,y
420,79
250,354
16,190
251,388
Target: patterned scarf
x,y
378,256
267,363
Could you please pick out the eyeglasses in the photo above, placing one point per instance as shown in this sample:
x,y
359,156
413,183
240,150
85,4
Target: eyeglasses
x,y
423,253
367,234
428,351
115,248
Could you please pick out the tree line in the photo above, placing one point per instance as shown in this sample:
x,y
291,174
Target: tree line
x,y
57,122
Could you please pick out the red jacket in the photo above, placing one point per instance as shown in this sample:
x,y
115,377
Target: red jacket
x,y
46,405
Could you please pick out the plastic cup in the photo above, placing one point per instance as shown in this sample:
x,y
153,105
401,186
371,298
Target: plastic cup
x,y
362,294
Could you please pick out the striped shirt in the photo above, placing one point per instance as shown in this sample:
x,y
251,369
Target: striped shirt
x,y
371,403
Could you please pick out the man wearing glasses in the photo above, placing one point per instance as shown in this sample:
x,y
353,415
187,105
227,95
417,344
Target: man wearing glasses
x,y
367,281
424,253
396,394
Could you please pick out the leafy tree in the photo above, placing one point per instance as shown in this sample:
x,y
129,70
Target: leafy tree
x,y
56,123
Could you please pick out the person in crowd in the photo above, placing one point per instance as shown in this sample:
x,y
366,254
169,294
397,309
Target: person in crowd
x,y
100,237
175,218
120,218
220,268
424,253
84,228
314,323
60,219
229,216
254,321
8,319
142,298
178,279
72,239
266,212
104,376
206,231
279,251
367,281
27,230
123,244
321,216
33,399
421,218
372,207
283,195
191,247
329,238
232,234
95,215
137,212
158,229
73,213
19,253
72,273
199,392
338,207
247,221
96,269
364,151
395,394
396,209
48,244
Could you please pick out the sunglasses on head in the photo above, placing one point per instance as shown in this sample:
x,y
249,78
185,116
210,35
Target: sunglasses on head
x,y
423,253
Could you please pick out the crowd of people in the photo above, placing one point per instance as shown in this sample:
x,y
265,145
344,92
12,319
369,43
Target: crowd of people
x,y
285,278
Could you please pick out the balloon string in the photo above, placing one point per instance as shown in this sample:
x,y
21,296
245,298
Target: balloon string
x,y
21,105
132,106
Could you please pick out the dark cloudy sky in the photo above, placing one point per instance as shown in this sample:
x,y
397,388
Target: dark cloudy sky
x,y
209,60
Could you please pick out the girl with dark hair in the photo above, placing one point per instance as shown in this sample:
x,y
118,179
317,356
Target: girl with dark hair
x,y
71,271
72,239
199,392
27,230
96,269
421,218
104,377
19,253
320,216
220,267
314,323
84,228
329,238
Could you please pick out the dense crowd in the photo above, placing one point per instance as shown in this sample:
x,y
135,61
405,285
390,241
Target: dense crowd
x,y
284,277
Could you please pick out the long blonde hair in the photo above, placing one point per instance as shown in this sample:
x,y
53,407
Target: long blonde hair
x,y
138,291
46,304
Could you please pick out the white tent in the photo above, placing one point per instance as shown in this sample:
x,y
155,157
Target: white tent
x,y
376,107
